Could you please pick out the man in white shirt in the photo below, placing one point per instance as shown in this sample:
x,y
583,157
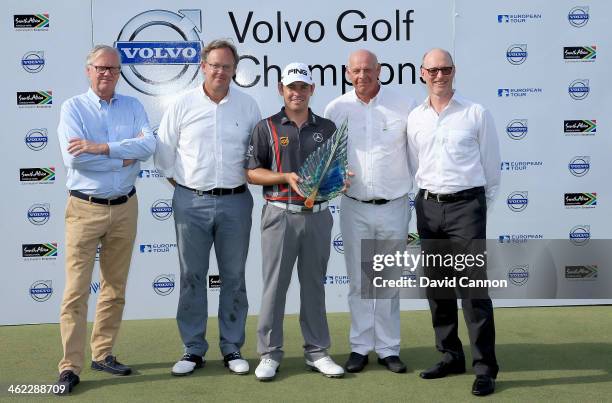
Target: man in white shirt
x,y
203,138
376,206
455,152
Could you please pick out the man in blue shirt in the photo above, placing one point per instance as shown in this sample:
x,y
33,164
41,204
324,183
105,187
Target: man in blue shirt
x,y
103,136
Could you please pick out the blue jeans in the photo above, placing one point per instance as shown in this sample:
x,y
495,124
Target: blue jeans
x,y
200,222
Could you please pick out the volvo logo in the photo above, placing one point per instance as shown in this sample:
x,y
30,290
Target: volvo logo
x,y
579,89
517,201
578,16
158,67
41,290
33,62
39,213
580,165
163,284
518,275
161,209
517,129
580,235
516,54
338,244
36,139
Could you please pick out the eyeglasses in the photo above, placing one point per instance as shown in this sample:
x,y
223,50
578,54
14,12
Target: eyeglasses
x,y
434,70
221,67
104,69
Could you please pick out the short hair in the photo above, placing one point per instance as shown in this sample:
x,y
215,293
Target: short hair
x,y
220,44
440,49
96,50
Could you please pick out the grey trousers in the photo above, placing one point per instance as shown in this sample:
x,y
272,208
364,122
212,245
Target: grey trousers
x,y
201,222
286,236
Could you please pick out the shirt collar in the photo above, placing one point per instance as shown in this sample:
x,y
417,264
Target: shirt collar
x,y
374,100
312,119
97,100
455,99
225,99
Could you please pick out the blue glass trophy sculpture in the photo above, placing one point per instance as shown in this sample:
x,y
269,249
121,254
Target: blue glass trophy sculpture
x,y
325,170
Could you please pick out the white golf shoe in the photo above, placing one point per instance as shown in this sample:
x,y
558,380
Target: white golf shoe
x,y
267,369
327,367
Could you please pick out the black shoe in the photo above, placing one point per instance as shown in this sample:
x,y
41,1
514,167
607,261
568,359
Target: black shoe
x,y
187,364
356,362
483,385
66,382
111,365
393,364
441,369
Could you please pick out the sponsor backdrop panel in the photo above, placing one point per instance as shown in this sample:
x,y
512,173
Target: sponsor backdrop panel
x,y
553,146
540,71
151,38
45,45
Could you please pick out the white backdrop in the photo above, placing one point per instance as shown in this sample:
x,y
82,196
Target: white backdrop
x,y
508,58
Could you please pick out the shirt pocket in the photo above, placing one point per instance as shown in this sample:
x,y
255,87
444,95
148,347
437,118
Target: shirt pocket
x,y
461,143
393,136
394,126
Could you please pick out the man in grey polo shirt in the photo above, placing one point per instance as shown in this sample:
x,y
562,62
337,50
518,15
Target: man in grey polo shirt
x,y
279,146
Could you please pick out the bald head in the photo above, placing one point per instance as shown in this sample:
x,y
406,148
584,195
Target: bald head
x,y
362,57
437,54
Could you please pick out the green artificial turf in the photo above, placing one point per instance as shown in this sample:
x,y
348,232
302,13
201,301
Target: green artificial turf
x,y
545,354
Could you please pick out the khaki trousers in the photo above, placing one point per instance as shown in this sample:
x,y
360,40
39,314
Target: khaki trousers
x,y
87,225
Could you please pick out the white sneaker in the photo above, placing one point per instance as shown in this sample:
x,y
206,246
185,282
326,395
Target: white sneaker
x,y
267,369
187,364
327,367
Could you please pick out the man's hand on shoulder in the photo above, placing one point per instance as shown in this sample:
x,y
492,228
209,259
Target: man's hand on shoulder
x,y
77,146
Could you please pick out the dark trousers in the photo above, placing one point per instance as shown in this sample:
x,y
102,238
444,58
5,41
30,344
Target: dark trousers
x,y
448,225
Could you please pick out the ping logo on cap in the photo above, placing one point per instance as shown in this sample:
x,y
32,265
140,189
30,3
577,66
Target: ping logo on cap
x,y
297,71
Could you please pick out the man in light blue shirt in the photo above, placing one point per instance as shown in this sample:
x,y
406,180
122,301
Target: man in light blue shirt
x,y
103,136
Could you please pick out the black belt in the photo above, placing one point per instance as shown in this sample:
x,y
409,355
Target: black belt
x,y
373,201
97,200
467,194
217,191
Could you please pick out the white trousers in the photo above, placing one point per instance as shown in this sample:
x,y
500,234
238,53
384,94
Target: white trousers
x,y
375,323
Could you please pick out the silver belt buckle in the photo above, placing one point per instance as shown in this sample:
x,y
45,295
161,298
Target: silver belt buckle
x,y
426,194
